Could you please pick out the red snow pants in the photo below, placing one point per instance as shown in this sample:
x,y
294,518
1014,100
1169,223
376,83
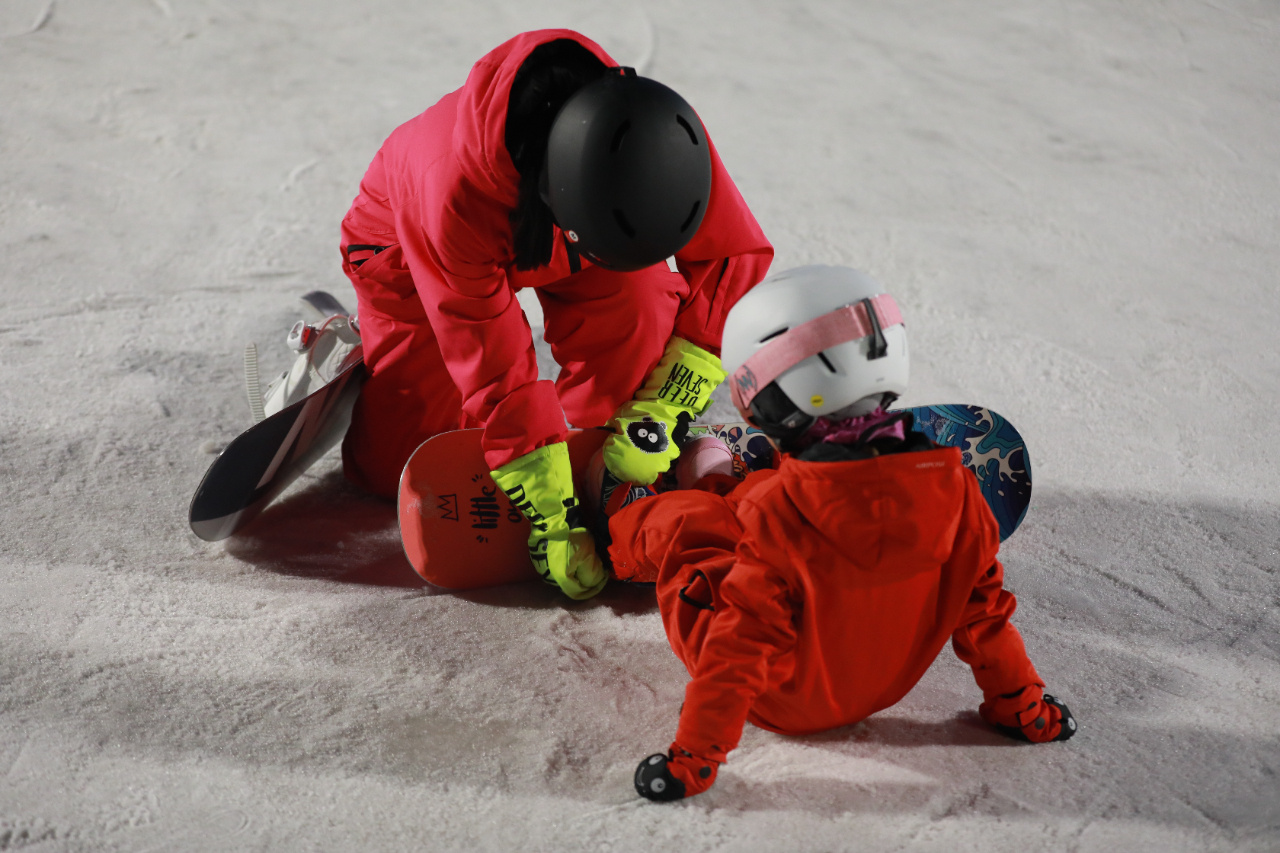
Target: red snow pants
x,y
606,330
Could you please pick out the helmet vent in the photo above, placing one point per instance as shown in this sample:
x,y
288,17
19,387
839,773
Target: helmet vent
x,y
822,356
692,213
773,335
623,223
693,137
618,136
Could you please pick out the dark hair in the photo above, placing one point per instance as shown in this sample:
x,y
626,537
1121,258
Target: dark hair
x,y
548,76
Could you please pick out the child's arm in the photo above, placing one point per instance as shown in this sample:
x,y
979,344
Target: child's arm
x,y
1014,698
751,629
987,641
744,641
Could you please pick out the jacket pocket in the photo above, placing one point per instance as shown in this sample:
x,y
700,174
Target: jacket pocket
x,y
697,592
386,266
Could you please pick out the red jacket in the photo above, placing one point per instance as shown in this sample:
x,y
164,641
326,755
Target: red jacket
x,y
813,596
442,187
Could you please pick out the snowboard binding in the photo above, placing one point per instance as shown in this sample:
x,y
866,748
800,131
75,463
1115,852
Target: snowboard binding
x,y
321,348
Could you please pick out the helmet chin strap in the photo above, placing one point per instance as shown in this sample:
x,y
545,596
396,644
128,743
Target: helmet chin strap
x,y
544,184
575,260
544,192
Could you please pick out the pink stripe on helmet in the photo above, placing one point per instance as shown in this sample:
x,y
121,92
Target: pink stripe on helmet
x,y
848,323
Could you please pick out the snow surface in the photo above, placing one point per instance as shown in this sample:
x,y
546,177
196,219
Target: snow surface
x,y
1077,204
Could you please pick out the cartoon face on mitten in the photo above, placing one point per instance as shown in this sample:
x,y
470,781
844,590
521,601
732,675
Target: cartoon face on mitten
x,y
648,435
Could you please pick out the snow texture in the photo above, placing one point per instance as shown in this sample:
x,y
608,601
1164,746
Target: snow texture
x,y
1077,205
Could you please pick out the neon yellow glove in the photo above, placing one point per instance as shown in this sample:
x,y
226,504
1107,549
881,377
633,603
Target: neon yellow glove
x,y
642,447
540,484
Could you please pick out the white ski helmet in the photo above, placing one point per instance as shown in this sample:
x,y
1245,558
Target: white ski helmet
x,y
814,341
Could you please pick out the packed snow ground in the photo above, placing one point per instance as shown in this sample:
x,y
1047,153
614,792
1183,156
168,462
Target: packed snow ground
x,y
1077,204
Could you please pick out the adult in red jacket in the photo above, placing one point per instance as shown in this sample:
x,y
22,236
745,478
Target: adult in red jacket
x,y
551,169
812,596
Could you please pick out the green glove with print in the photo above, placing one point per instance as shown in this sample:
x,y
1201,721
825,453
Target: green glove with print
x,y
540,484
678,390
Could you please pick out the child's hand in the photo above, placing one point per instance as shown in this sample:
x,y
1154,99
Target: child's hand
x,y
674,776
1029,714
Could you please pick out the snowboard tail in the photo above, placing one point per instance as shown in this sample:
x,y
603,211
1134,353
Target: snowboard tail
x,y
992,449
263,461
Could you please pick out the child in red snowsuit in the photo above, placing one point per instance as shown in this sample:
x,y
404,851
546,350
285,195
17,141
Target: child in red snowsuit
x,y
478,198
814,595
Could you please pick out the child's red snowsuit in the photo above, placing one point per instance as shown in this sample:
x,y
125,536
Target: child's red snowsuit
x,y
815,595
427,245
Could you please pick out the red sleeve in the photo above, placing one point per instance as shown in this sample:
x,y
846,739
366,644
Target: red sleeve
x,y
988,642
752,628
727,257
483,334
984,638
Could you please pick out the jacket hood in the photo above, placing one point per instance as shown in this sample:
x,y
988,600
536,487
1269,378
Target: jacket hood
x,y
893,515
479,136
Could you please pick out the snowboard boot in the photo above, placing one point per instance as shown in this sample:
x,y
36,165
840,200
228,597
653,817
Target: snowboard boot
x,y
701,457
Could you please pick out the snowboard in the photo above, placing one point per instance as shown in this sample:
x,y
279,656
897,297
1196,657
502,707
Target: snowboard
x,y
459,530
264,460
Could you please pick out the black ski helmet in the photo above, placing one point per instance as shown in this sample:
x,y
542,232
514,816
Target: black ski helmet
x,y
628,171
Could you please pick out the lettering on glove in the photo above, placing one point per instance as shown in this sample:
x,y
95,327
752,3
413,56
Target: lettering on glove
x,y
686,388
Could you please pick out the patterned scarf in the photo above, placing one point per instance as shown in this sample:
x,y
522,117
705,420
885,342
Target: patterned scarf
x,y
877,424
